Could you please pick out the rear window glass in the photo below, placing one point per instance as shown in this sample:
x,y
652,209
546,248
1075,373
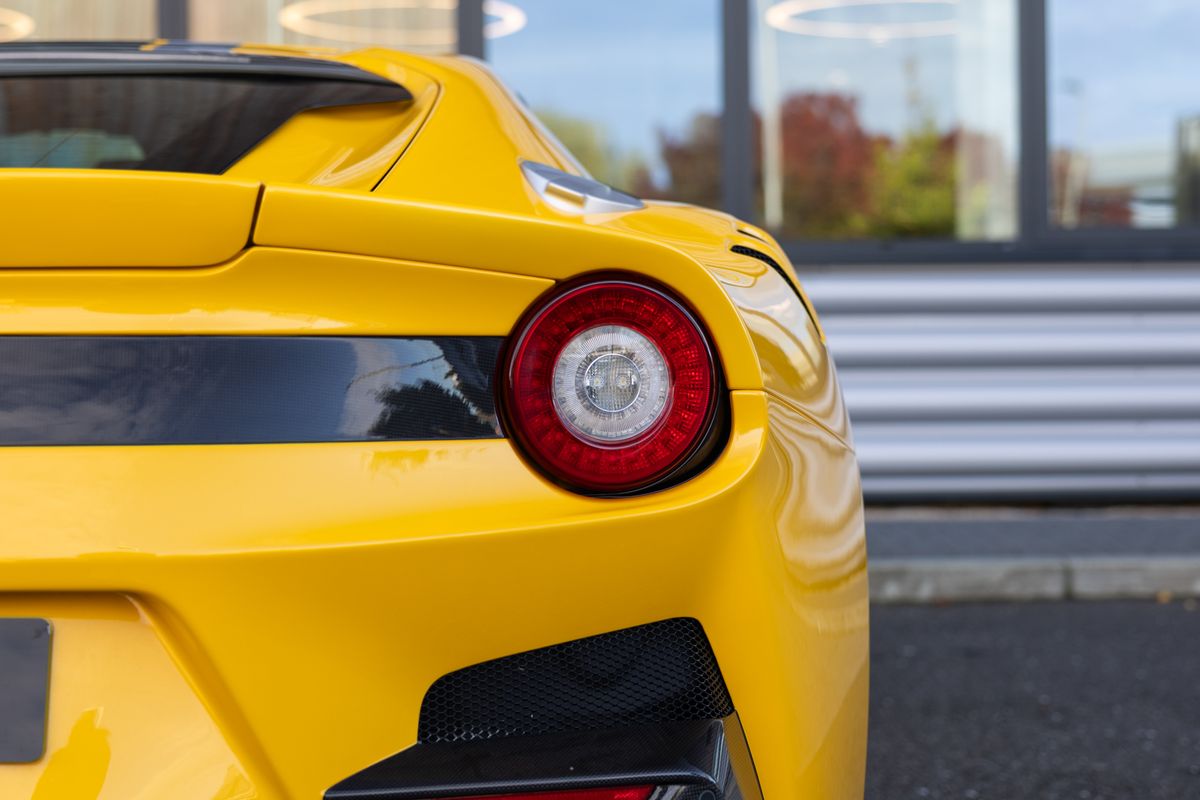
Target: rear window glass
x,y
157,122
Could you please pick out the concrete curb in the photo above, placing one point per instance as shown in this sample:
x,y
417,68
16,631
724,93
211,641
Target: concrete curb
x,y
936,580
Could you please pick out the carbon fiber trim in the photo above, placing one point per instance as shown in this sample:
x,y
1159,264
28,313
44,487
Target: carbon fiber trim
x,y
176,58
706,760
118,390
664,672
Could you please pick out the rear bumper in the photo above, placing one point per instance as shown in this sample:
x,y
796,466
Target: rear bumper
x,y
264,621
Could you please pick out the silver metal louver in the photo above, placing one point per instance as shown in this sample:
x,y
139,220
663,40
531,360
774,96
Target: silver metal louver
x,y
1019,383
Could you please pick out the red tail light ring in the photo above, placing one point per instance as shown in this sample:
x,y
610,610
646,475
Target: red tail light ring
x,y
611,386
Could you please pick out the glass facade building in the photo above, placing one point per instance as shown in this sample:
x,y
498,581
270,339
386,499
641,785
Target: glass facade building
x,y
855,130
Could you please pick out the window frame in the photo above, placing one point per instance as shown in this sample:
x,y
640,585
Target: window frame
x,y
1036,239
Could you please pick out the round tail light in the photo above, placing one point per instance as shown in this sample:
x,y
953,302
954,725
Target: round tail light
x,y
611,387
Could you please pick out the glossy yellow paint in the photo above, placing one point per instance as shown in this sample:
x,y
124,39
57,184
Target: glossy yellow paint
x,y
467,152
323,220
118,693
311,593
349,147
107,218
268,291
260,621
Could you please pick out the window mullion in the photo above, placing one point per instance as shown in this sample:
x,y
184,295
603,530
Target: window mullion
x,y
737,129
470,28
173,19
1034,157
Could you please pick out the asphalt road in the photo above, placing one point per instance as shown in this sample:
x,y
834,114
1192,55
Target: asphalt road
x,y
1086,701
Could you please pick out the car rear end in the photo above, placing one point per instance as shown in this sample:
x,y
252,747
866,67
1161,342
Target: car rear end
x,y
332,490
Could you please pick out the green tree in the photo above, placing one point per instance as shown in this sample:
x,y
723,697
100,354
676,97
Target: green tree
x,y
588,142
913,186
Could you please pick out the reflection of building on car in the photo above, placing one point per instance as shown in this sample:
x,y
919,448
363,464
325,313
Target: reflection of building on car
x,y
359,444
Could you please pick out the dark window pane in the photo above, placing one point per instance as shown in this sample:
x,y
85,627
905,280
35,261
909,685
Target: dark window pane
x,y
1124,113
890,119
631,88
175,124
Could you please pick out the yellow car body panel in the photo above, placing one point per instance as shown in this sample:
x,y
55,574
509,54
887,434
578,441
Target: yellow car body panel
x,y
465,153
99,218
263,620
268,291
321,220
115,684
308,590
349,147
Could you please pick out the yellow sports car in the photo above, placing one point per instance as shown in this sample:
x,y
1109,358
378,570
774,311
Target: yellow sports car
x,y
357,444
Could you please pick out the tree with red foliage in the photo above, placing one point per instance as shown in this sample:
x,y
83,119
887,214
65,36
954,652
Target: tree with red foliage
x,y
828,166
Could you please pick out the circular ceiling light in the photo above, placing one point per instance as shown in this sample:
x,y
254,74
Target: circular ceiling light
x,y
14,25
790,16
301,18
508,19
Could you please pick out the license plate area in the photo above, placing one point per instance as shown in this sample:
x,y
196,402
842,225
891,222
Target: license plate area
x,y
24,685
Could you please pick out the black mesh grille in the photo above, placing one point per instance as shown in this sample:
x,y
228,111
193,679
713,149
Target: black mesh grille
x,y
651,674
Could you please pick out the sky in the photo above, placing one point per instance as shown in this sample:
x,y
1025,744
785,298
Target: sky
x,y
633,66
1128,70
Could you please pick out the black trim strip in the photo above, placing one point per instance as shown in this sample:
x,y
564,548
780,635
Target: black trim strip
x,y
704,760
129,390
176,58
25,667
750,252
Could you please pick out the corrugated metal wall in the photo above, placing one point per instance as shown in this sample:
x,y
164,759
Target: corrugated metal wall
x,y
1019,383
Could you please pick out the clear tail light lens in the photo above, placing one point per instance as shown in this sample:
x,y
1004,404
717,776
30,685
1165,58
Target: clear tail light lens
x,y
611,386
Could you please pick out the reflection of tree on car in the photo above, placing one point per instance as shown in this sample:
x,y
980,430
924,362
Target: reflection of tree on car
x,y
465,410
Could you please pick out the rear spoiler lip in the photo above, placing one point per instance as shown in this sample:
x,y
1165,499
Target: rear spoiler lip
x,y
57,59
